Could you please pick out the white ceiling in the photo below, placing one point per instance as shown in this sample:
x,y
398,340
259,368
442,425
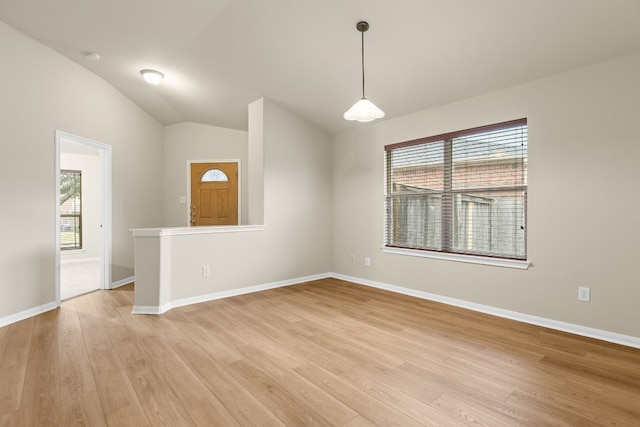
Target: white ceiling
x,y
218,56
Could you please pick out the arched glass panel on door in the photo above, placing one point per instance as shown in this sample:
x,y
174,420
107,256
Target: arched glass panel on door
x,y
214,175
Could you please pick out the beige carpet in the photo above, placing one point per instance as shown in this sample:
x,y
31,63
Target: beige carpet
x,y
78,277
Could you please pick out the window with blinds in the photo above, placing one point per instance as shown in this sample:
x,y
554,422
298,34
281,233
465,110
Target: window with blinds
x,y
464,192
70,209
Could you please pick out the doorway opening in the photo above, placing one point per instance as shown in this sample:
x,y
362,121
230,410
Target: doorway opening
x,y
83,215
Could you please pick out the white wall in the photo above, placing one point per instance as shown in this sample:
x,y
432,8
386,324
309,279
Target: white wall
x,y
89,165
583,205
69,98
297,191
192,141
295,242
297,215
256,162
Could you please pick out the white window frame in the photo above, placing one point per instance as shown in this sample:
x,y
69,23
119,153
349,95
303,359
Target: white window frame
x,y
446,252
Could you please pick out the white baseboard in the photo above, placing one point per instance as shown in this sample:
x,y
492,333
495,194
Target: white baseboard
x,y
612,337
151,309
224,294
122,282
25,314
76,260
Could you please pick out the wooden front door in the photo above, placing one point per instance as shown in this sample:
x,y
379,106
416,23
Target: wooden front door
x,y
214,193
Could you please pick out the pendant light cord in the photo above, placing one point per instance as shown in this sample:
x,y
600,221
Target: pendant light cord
x,y
362,34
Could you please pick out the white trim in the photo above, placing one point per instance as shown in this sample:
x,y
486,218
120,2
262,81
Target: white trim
x,y
106,212
225,294
79,261
122,282
56,206
599,334
239,180
150,309
183,231
473,259
105,157
72,252
25,314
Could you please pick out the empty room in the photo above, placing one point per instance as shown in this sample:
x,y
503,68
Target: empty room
x,y
340,213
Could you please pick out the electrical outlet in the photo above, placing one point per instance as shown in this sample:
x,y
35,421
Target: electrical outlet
x,y
584,294
352,258
206,271
367,261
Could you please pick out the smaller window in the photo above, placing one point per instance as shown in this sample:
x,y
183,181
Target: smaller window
x,y
70,209
214,175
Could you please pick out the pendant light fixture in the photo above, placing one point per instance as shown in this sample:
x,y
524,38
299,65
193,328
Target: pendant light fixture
x,y
363,110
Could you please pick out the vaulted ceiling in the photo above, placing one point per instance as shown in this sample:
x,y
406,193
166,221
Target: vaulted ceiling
x,y
218,56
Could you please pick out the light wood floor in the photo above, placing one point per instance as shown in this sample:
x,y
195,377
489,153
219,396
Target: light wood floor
x,y
323,353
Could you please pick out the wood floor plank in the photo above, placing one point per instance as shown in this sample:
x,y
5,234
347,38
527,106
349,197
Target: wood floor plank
x,y
377,339
121,296
372,408
303,391
215,344
118,399
550,411
337,331
190,393
437,381
121,407
359,421
515,376
238,400
40,403
497,376
68,322
276,398
581,367
375,381
605,400
326,352
312,306
258,333
83,409
157,398
76,375
13,366
10,418
452,382
466,412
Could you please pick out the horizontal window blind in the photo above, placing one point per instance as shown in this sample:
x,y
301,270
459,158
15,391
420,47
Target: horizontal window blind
x,y
463,192
70,209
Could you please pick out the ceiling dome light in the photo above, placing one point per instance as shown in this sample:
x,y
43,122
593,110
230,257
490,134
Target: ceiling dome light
x,y
152,76
363,110
92,56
